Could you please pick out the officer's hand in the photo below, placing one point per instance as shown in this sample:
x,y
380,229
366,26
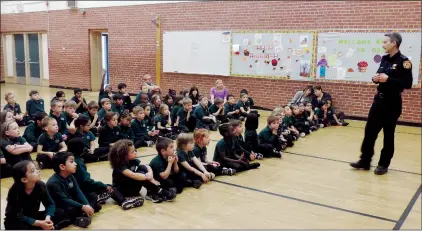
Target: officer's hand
x,y
375,77
382,78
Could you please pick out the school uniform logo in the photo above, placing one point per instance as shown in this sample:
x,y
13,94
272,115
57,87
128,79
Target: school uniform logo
x,y
117,133
56,141
71,184
62,118
87,137
41,102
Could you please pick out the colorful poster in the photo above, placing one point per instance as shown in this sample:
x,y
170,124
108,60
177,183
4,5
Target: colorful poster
x,y
258,39
245,42
226,37
303,40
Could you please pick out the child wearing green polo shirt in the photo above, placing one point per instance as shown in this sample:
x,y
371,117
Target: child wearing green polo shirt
x,y
186,120
300,122
34,130
127,101
34,104
244,106
188,163
143,136
126,131
130,175
82,124
117,106
144,91
165,167
163,121
14,146
269,136
57,113
105,93
178,104
289,121
24,200
96,192
155,105
225,152
81,105
218,110
240,145
93,116
231,108
105,107
107,135
64,189
49,143
15,108
70,115
203,117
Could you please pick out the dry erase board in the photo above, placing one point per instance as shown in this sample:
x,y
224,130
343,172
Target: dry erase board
x,y
355,56
274,54
196,52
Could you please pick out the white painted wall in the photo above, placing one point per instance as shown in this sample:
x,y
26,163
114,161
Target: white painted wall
x,y
10,7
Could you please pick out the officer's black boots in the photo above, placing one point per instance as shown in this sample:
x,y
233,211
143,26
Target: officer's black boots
x,y
381,170
360,165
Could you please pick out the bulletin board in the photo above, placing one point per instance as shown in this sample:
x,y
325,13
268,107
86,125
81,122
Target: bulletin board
x,y
197,52
355,55
273,54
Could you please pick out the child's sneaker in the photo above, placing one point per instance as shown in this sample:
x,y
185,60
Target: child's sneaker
x,y
101,199
62,224
149,143
321,125
166,195
154,198
173,190
132,202
82,222
259,156
212,176
231,171
197,184
302,134
225,171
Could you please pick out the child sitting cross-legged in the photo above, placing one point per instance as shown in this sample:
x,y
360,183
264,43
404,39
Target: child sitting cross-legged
x,y
24,199
202,140
65,191
130,175
140,127
269,136
14,146
188,163
107,136
225,152
82,124
96,192
34,130
218,110
93,116
186,120
204,119
163,121
15,108
240,145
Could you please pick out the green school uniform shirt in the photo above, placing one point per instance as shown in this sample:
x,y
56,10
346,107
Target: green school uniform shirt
x,y
16,109
288,120
266,136
10,158
174,112
201,111
182,114
101,113
213,109
126,132
107,135
67,118
230,108
61,122
162,119
226,147
66,192
139,128
32,132
87,138
33,106
50,144
185,156
158,165
87,114
81,108
83,177
200,153
241,104
119,109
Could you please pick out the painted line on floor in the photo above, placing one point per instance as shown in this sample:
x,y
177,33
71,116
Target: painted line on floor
x,y
407,210
308,202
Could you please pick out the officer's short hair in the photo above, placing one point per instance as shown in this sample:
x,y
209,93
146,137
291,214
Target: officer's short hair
x,y
394,37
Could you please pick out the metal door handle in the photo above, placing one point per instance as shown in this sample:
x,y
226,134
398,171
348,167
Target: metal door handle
x,y
33,62
20,61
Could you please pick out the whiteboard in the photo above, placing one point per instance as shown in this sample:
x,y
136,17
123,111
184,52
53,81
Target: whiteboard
x,y
196,52
344,53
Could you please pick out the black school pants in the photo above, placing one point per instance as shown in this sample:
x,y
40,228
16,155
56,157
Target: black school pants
x,y
12,224
141,141
135,186
217,170
240,167
267,150
45,160
92,196
102,153
176,180
384,113
6,170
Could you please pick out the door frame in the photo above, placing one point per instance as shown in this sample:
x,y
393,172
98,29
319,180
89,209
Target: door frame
x,y
95,47
13,79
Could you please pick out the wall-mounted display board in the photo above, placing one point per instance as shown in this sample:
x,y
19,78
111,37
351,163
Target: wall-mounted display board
x,y
355,55
273,54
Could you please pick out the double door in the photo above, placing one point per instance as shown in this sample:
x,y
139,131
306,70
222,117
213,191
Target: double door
x,y
27,58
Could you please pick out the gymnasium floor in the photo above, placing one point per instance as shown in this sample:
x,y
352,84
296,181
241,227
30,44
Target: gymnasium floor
x,y
311,187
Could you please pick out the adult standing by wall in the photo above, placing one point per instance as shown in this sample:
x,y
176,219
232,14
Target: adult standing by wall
x,y
151,86
219,91
393,76
306,95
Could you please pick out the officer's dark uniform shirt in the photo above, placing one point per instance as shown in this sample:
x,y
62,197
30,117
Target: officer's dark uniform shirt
x,y
399,71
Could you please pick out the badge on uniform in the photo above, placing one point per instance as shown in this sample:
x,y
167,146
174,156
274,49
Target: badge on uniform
x,y
57,141
407,64
394,66
71,184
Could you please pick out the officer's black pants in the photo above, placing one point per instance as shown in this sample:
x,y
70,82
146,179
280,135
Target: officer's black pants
x,y
383,114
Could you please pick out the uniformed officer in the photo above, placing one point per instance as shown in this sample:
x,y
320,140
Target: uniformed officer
x,y
393,76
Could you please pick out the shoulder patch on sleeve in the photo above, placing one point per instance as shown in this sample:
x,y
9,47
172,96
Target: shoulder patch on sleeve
x,y
407,64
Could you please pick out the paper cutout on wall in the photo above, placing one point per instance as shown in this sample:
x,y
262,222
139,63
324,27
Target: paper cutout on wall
x,y
278,46
235,49
226,37
298,52
258,39
304,41
322,50
245,42
332,60
350,52
305,68
341,73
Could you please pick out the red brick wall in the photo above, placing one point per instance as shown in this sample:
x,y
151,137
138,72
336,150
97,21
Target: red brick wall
x,y
132,42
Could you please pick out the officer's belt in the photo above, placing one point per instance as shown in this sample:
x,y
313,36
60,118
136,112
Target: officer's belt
x,y
389,95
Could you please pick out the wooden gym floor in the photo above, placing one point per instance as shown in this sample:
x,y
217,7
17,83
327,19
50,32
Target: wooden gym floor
x,y
311,187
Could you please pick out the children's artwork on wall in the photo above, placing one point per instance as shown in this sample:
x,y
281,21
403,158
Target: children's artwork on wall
x,y
268,57
226,37
355,55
